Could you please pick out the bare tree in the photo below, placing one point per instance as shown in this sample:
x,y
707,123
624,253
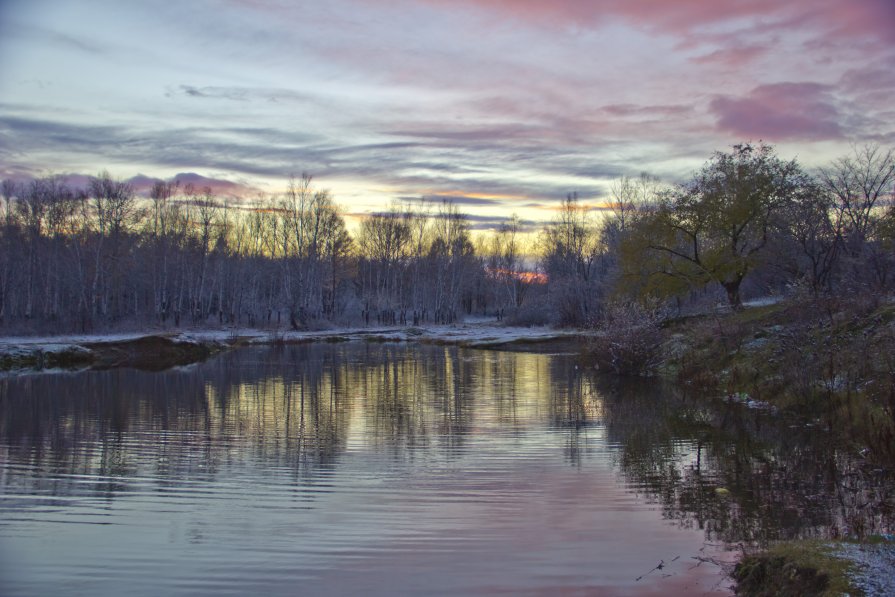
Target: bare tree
x,y
506,262
10,191
384,243
160,229
859,184
451,258
570,248
115,210
809,243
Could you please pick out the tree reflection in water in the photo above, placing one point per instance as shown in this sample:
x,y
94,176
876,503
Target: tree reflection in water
x,y
740,475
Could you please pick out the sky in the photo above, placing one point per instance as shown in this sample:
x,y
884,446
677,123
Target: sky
x,y
504,106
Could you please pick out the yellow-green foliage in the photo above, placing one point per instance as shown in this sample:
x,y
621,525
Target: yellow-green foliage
x,y
715,228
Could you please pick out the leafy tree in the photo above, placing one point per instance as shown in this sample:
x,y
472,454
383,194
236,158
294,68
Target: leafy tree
x,y
715,228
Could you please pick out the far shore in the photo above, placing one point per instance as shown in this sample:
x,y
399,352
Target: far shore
x,y
161,349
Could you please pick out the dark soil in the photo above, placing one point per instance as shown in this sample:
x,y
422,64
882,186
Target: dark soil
x,y
150,353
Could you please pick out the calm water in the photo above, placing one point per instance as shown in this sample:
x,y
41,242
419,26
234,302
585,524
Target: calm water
x,y
397,469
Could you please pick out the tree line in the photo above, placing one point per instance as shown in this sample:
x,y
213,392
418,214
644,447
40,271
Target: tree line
x,y
101,256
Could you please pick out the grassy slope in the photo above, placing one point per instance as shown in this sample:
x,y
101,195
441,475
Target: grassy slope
x,y
831,362
828,361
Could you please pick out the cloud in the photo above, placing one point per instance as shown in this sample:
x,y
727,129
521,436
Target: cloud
x,y
871,78
219,187
736,57
480,100
476,174
456,199
67,42
486,222
682,14
142,185
625,110
859,20
780,111
873,87
241,94
855,20
474,221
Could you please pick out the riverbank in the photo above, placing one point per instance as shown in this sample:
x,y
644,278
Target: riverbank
x,y
158,350
825,364
823,568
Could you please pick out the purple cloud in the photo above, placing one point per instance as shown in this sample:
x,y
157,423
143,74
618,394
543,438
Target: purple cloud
x,y
669,111
219,187
854,20
780,111
732,58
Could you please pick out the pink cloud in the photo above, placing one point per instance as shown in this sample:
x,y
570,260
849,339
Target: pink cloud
x,y
780,111
860,19
623,110
219,187
870,79
732,58
680,15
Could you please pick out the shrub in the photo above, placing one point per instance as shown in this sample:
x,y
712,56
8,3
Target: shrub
x,y
627,337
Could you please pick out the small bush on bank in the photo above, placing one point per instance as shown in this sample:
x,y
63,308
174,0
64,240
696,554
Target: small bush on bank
x,y
628,338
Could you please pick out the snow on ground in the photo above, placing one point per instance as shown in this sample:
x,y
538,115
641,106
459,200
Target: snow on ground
x,y
482,333
479,332
763,301
9,344
476,330
874,565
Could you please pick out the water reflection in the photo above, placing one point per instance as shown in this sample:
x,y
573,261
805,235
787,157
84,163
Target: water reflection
x,y
744,476
445,455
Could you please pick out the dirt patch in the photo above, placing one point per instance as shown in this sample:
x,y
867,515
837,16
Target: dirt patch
x,y
150,353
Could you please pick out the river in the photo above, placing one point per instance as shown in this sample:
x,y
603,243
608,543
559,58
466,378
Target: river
x,y
392,469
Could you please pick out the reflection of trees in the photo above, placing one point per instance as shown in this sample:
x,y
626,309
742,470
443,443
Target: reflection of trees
x,y
293,410
740,475
575,406
281,407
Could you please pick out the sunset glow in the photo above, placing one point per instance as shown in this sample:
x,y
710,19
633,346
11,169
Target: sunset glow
x,y
499,106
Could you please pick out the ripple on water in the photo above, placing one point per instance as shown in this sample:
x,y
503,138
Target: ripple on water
x,y
355,468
